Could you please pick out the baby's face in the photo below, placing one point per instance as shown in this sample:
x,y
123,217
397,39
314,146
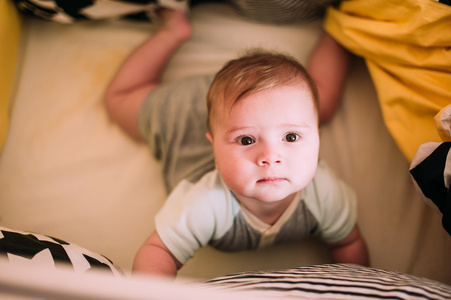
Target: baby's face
x,y
266,148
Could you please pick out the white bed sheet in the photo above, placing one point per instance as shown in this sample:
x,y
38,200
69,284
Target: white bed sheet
x,y
66,170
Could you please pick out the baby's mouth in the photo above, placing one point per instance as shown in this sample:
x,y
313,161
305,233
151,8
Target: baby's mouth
x,y
271,180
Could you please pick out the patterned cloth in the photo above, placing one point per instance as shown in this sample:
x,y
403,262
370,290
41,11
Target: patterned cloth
x,y
282,11
36,249
431,169
267,11
334,281
64,11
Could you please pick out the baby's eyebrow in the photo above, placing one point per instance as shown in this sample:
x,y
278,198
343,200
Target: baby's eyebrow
x,y
233,130
283,126
300,125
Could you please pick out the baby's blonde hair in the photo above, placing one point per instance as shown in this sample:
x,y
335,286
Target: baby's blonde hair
x,y
257,71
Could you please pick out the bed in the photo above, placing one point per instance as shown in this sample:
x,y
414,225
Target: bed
x,y
68,171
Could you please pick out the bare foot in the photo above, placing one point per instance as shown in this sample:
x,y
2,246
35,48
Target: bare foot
x,y
176,22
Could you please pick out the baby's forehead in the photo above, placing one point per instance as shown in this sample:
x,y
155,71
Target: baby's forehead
x,y
232,100
288,109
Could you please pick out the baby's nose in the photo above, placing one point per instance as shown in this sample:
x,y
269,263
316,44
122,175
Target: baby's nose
x,y
268,162
268,156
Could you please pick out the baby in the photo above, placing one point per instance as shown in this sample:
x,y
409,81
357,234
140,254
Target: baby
x,y
255,180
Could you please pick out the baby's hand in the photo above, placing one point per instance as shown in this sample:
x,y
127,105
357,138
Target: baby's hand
x,y
176,22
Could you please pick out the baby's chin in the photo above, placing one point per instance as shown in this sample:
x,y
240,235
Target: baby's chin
x,y
272,196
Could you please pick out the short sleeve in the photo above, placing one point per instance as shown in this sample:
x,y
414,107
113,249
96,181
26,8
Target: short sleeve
x,y
195,214
333,203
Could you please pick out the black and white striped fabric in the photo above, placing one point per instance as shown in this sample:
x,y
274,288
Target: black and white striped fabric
x,y
334,281
282,11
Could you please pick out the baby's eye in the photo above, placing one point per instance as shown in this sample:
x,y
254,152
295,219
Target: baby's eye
x,y
291,137
245,140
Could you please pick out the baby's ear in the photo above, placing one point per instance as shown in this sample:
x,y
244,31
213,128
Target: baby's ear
x,y
209,137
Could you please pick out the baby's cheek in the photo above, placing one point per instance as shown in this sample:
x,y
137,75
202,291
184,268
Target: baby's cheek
x,y
233,179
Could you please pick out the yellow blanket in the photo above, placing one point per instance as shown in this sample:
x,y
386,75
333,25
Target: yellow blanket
x,y
406,45
10,25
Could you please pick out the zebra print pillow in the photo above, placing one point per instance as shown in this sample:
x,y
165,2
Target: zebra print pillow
x,y
26,248
64,11
333,281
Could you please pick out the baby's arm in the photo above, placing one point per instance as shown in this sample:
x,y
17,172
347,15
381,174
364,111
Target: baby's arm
x,y
141,71
328,67
351,249
155,258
